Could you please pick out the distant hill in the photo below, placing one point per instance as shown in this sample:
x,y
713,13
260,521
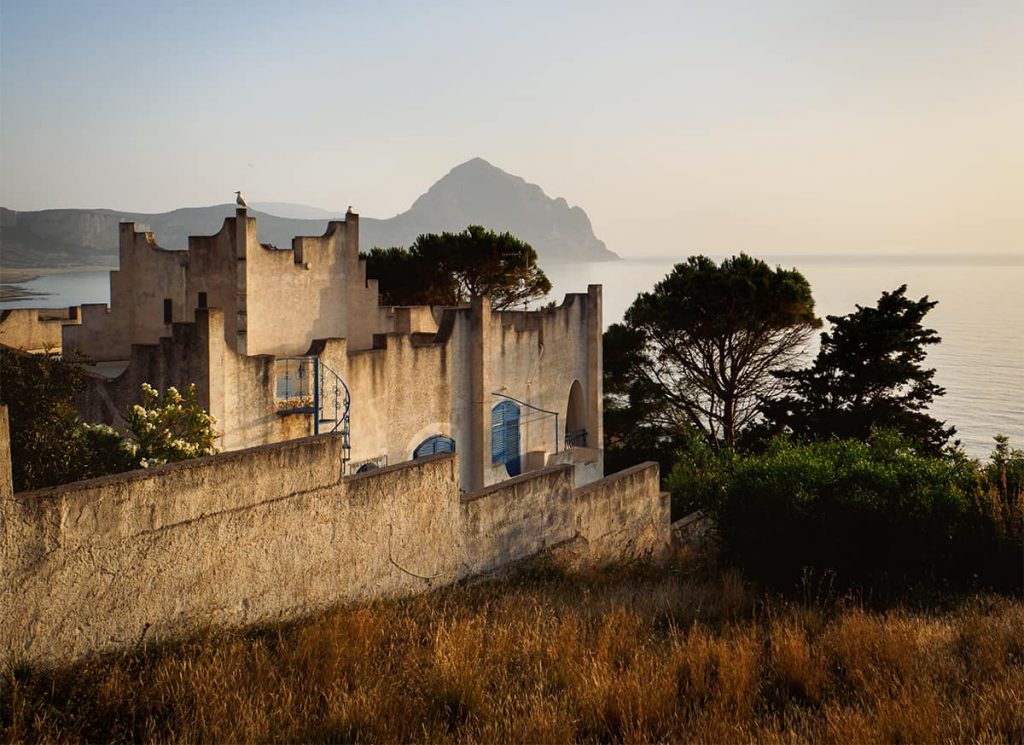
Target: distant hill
x,y
297,211
473,193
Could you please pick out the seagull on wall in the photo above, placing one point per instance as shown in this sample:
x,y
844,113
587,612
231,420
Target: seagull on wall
x,y
240,200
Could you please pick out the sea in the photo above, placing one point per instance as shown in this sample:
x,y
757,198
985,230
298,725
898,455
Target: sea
x,y
980,317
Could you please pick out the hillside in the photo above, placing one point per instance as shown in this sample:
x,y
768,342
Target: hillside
x,y
474,192
637,654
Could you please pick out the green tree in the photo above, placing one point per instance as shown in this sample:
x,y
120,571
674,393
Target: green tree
x,y
451,268
868,373
404,279
39,391
700,349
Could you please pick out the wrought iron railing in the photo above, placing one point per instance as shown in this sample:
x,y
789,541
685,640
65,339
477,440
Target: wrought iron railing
x,y
576,438
294,383
305,385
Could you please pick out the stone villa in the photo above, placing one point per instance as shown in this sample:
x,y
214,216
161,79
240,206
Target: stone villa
x,y
453,443
284,343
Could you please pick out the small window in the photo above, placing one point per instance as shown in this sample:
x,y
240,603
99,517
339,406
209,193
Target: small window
x,y
202,299
434,445
167,310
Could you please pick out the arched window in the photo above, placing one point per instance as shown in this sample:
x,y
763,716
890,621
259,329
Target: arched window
x,y
505,437
367,467
433,445
576,418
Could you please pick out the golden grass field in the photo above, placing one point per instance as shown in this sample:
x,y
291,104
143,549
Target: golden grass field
x,y
632,654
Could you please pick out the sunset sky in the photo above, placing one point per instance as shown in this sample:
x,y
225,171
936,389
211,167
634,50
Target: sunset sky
x,y
785,127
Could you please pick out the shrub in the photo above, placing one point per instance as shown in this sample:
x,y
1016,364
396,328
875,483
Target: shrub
x,y
874,514
169,428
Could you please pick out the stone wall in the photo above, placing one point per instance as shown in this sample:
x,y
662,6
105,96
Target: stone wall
x,y
278,532
35,329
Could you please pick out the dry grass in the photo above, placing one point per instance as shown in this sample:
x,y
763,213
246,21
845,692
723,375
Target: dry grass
x,y
634,654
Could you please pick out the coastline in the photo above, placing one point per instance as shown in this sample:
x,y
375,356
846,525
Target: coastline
x,y
19,275
14,279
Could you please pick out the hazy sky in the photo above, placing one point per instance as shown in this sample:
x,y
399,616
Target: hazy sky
x,y
679,127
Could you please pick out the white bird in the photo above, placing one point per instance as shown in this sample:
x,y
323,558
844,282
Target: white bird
x,y
240,200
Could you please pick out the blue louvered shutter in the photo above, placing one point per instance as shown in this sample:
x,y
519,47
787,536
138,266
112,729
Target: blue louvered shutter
x,y
505,437
434,445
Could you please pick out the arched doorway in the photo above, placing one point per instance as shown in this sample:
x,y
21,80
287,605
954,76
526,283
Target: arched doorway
x,y
505,437
434,445
576,418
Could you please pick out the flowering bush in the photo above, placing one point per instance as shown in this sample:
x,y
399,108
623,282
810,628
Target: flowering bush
x,y
169,428
50,446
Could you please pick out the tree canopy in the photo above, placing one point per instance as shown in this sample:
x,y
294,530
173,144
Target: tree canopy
x,y
700,349
450,268
868,374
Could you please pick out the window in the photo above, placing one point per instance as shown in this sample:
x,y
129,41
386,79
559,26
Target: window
x,y
505,437
167,310
202,299
434,445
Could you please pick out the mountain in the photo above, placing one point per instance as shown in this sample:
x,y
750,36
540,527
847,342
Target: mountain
x,y
478,193
473,193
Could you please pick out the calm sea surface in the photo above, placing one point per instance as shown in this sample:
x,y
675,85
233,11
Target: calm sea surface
x,y
980,317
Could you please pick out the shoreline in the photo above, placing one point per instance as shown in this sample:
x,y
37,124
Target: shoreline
x,y
10,275
11,293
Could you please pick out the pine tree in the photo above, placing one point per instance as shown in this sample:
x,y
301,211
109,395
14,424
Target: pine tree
x,y
868,374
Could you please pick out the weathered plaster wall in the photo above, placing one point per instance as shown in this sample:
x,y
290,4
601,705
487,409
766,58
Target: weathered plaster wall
x,y
36,329
536,357
624,513
274,301
238,390
519,517
401,395
277,532
213,268
146,276
588,462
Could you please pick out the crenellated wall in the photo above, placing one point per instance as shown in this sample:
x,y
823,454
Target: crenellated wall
x,y
36,329
275,300
277,532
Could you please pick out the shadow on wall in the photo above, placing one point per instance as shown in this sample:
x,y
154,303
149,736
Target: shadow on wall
x,y
277,532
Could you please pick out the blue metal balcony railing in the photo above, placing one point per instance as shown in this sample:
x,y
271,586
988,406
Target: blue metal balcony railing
x,y
305,385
